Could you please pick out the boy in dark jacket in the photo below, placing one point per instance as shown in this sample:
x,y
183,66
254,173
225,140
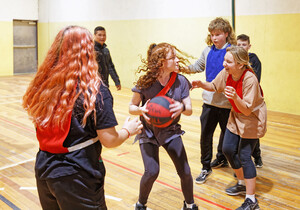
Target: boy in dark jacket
x,y
103,58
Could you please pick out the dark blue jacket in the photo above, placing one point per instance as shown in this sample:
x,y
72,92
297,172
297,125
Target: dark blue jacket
x,y
105,64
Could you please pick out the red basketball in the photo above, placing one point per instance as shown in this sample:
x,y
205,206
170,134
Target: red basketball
x,y
159,112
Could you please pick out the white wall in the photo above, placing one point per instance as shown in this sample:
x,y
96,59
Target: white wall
x,y
18,9
267,7
98,10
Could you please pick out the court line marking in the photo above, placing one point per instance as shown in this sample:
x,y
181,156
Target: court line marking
x,y
124,153
30,130
16,164
112,198
120,166
165,184
28,188
9,203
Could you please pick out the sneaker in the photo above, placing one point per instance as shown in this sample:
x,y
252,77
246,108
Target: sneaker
x,y
139,206
194,207
249,205
236,189
202,177
258,163
218,163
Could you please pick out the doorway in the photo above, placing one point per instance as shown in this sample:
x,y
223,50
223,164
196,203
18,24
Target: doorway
x,y
25,46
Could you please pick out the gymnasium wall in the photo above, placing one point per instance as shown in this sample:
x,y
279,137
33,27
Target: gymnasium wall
x,y
133,24
9,11
273,27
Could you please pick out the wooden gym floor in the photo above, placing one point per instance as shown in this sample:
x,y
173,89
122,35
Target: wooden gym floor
x,y
278,182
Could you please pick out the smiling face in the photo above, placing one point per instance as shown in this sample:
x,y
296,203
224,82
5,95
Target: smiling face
x,y
170,64
100,36
218,37
231,66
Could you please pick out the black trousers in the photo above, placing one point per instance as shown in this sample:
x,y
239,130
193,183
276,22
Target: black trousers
x,y
77,191
256,152
210,117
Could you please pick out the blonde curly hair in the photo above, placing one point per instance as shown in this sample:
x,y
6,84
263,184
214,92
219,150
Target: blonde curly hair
x,y
222,25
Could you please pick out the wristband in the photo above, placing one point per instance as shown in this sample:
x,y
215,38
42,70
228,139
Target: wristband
x,y
127,132
183,107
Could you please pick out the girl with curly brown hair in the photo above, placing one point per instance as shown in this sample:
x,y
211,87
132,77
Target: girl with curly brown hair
x,y
162,62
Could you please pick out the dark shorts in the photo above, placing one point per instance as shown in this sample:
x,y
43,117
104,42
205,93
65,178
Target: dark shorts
x,y
76,191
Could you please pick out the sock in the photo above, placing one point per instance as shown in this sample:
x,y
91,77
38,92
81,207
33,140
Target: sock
x,y
141,204
189,206
251,197
241,182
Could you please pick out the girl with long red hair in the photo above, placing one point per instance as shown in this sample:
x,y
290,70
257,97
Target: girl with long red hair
x,y
72,112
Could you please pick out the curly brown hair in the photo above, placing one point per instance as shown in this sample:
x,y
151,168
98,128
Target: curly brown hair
x,y
155,56
222,25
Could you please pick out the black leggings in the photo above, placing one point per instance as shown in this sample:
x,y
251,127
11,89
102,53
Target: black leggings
x,y
238,153
176,151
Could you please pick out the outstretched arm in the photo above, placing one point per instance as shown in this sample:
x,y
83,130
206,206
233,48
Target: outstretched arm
x,y
204,85
110,137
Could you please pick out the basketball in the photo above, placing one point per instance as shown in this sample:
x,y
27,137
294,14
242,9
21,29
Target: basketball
x,y
159,112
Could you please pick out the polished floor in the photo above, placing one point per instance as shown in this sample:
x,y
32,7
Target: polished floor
x,y
278,181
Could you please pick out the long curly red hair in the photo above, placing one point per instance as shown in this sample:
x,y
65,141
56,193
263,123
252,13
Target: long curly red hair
x,y
68,71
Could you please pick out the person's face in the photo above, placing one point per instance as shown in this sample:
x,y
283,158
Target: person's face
x,y
100,37
171,62
244,44
218,37
230,65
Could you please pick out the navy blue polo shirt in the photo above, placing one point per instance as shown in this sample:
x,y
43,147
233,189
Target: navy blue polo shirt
x,y
49,165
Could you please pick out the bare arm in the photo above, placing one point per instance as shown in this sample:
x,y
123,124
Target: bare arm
x,y
136,109
110,137
134,105
204,85
184,107
199,65
187,102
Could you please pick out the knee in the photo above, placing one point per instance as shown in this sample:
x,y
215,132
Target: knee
x,y
227,150
245,158
185,174
152,173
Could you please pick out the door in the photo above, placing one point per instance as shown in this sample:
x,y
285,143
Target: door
x,y
25,46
